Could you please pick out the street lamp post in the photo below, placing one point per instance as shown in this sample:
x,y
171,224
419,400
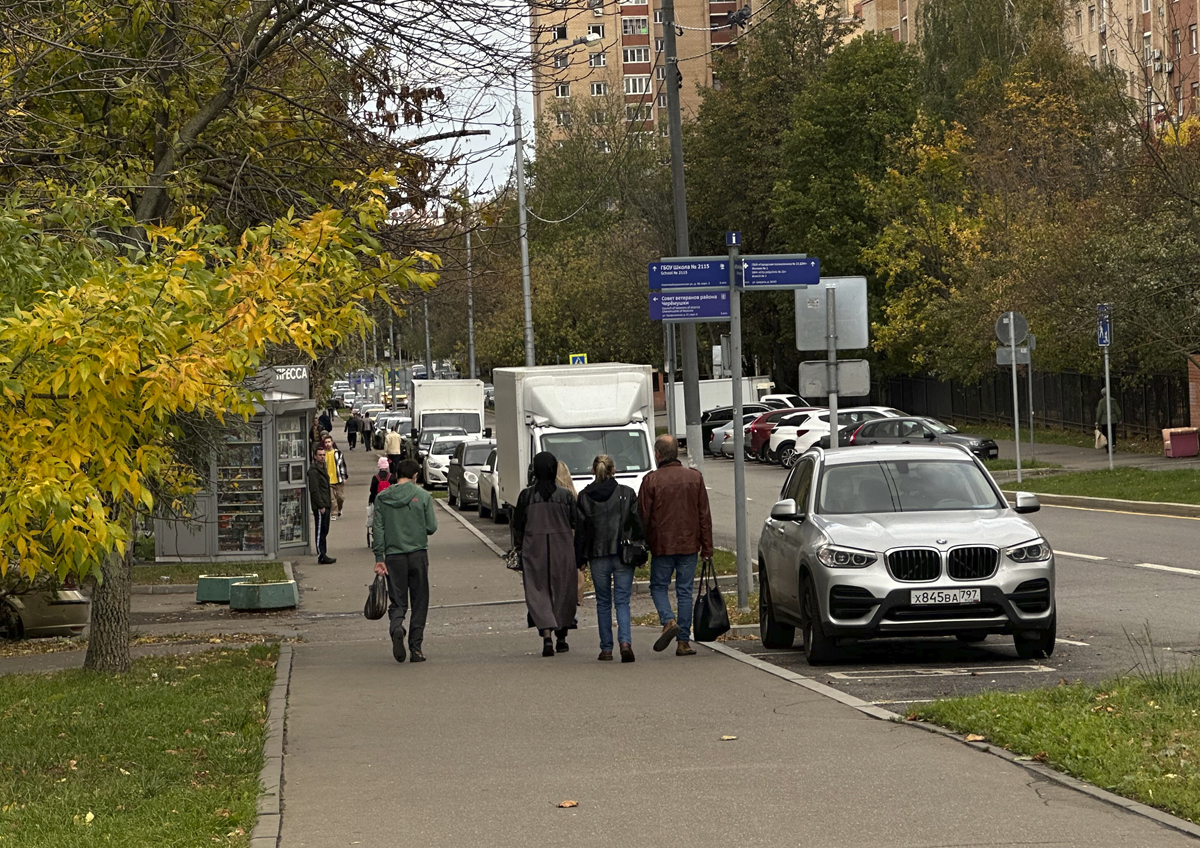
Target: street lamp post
x,y
522,223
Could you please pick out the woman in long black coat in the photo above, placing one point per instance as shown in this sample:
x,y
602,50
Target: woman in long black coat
x,y
543,527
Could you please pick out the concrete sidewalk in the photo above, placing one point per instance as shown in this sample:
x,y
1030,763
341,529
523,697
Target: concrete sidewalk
x,y
477,746
1073,458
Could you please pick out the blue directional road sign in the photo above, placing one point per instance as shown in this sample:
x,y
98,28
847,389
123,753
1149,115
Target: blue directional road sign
x,y
1103,326
780,272
689,273
689,306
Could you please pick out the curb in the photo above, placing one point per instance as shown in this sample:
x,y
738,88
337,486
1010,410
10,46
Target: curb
x,y
1046,772
1176,510
270,809
165,589
475,531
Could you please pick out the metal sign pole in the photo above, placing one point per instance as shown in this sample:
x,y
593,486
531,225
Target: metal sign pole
x,y
1029,385
739,435
1012,343
1108,408
672,411
831,361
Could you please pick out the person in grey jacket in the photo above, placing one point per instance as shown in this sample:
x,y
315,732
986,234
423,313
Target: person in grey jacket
x,y
608,515
320,497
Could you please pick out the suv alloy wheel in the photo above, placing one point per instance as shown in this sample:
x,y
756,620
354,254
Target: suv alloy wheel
x,y
818,648
771,633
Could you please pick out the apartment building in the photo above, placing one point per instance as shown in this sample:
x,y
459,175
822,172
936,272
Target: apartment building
x,y
626,59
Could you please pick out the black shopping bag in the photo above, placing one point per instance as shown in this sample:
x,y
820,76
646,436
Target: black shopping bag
x,y
377,599
709,618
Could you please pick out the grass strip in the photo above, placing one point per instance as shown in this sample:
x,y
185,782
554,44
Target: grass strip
x,y
58,644
1131,484
730,598
165,755
1138,737
187,573
1011,464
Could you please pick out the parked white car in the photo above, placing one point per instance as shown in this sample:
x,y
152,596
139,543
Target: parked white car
x,y
437,462
489,491
796,434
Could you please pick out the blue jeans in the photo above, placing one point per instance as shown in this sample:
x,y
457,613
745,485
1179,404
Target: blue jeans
x,y
683,566
614,582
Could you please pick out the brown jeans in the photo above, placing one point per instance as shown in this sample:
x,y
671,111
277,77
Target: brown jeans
x,y
337,493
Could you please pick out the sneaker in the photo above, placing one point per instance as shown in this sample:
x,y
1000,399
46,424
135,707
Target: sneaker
x,y
417,656
670,631
626,652
605,656
327,560
398,644
335,517
683,649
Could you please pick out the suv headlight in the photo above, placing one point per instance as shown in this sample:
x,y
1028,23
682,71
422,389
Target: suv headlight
x,y
1036,551
834,556
470,478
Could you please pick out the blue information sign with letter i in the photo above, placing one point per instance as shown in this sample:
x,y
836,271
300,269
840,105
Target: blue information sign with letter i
x,y
733,239
1103,326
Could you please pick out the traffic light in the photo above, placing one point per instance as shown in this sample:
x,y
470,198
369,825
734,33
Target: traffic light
x,y
678,77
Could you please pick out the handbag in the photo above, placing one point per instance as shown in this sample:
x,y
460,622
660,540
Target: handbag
x,y
512,560
377,598
710,618
631,553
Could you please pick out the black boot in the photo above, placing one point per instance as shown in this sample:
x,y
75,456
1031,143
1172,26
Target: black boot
x,y
562,647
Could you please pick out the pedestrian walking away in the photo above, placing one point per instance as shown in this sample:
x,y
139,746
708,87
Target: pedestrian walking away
x,y
366,429
608,517
320,497
335,464
1102,422
562,478
379,482
393,446
404,520
673,505
543,525
326,421
352,425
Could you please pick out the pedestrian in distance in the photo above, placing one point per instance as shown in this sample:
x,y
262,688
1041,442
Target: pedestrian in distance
x,y
393,446
1102,422
352,425
320,497
338,475
314,435
380,481
563,478
326,420
543,526
673,505
608,516
366,429
404,520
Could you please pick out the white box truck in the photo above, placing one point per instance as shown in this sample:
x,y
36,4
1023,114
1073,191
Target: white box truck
x,y
448,403
718,392
576,412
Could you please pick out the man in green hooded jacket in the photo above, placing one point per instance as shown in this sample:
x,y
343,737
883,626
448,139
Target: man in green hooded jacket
x,y
404,520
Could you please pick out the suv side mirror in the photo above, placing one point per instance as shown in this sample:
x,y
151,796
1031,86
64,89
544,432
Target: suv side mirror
x,y
785,510
1027,502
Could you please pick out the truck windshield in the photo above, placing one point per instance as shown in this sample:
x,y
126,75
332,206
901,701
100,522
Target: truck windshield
x,y
577,449
469,421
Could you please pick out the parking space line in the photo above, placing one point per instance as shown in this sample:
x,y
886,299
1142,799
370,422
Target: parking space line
x,y
904,701
894,673
1073,642
1079,556
1171,568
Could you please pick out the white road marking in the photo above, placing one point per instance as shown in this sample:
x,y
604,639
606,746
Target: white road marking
x,y
1173,569
1122,512
905,701
1073,642
978,671
1079,556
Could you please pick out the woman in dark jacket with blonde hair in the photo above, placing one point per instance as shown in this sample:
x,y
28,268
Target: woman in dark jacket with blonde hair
x,y
608,516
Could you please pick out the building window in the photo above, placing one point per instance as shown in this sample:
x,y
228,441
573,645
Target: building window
x,y
660,73
1145,6
659,45
596,29
1104,56
1147,49
559,33
1177,40
717,85
637,112
631,55
1179,98
1192,39
658,16
662,101
635,26
603,146
597,60
599,118
563,119
639,84
562,89
1091,18
633,2
1078,23
599,89
561,61
1195,97
1092,60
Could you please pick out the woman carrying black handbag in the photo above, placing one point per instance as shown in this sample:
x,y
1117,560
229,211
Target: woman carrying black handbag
x,y
610,539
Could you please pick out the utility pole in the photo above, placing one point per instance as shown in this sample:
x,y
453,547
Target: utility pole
x,y
691,362
741,548
428,348
393,361
470,314
523,226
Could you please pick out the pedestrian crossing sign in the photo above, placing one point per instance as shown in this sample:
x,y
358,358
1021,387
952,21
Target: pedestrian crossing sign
x,y
579,359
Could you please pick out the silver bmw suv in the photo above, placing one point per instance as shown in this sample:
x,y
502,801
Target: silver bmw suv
x,y
899,540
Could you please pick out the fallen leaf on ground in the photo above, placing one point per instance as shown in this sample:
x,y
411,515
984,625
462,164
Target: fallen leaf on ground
x,y
728,738
975,737
568,803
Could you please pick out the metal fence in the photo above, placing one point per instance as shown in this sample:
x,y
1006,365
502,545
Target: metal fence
x,y
1149,403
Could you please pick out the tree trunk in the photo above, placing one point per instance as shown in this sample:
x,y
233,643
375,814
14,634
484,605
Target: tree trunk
x,y
108,644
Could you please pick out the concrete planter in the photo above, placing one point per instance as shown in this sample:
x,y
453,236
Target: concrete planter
x,y
264,596
214,588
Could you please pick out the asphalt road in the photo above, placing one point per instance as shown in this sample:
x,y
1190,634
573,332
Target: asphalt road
x,y
1128,597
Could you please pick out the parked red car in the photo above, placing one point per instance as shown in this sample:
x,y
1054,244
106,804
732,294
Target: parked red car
x,y
759,434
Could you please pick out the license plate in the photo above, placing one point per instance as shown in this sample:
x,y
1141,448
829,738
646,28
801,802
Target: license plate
x,y
933,597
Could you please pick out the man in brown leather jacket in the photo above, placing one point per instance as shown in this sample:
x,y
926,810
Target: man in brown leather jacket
x,y
673,505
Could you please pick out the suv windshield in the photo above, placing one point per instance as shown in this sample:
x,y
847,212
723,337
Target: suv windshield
x,y
627,448
904,486
468,421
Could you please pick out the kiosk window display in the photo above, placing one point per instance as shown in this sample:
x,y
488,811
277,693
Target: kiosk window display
x,y
240,514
